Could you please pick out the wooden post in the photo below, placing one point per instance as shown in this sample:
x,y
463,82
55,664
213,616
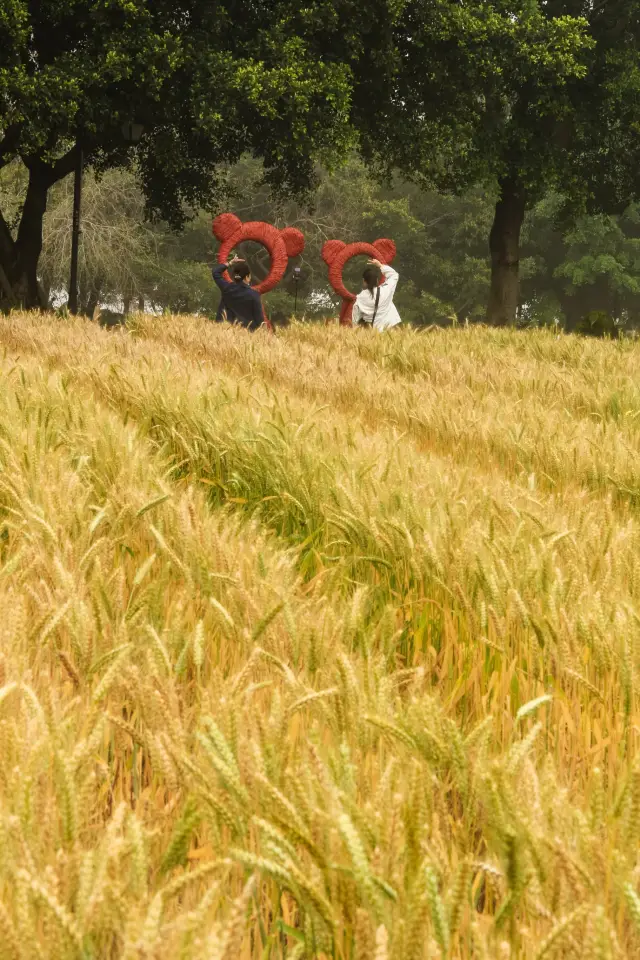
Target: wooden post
x,y
75,239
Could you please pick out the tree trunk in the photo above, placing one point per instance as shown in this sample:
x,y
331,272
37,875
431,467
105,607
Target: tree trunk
x,y
7,254
28,246
19,285
7,298
504,244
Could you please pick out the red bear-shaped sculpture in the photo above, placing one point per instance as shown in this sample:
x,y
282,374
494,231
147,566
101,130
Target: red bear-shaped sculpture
x,y
336,254
281,244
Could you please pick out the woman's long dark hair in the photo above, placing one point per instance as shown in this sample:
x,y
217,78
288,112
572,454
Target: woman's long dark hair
x,y
371,277
241,271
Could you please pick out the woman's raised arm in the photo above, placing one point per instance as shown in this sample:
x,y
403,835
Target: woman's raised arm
x,y
391,276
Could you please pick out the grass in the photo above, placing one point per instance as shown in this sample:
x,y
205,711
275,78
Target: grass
x,y
317,645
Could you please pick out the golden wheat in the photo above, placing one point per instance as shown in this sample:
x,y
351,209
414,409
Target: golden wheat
x,y
317,645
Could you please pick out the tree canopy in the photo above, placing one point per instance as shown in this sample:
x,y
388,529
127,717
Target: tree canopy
x,y
527,95
208,82
515,97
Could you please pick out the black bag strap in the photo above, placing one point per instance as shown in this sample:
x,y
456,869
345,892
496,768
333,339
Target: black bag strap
x,y
375,309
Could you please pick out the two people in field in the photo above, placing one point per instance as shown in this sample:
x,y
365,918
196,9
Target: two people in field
x,y
374,307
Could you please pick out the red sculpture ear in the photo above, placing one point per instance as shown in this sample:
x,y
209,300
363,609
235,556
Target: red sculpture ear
x,y
293,241
226,225
386,249
331,249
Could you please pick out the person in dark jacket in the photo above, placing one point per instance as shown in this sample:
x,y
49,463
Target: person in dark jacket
x,y
240,303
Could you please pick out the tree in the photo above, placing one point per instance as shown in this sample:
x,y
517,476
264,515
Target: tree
x,y
588,146
208,81
526,95
587,277
118,247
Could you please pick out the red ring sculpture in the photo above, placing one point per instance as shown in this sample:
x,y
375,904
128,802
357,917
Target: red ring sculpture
x,y
337,254
280,244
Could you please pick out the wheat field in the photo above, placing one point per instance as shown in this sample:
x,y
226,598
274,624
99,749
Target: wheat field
x,y
320,645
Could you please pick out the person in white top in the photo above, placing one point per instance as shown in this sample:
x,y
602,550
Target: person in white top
x,y
375,302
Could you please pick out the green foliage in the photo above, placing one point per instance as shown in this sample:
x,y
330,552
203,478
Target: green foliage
x,y
591,268
488,102
527,95
209,83
598,247
205,90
